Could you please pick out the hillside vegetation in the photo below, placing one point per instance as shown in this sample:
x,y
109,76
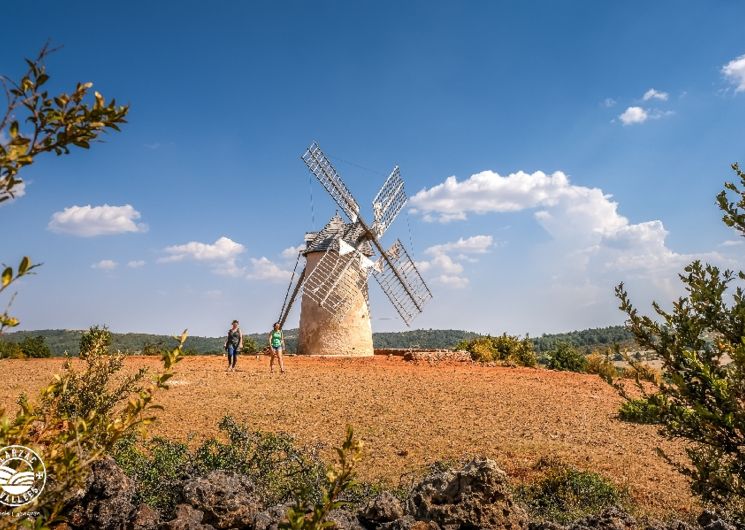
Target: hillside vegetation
x,y
60,341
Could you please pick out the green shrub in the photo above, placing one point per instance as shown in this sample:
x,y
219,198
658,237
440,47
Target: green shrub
x,y
10,350
504,348
700,342
271,460
78,418
35,347
564,493
641,410
601,365
565,357
95,341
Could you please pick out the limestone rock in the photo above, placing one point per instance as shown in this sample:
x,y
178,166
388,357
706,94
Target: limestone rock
x,y
384,508
227,499
187,518
144,518
106,501
476,496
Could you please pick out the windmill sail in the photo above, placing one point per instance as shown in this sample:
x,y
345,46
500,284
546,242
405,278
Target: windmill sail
x,y
388,202
321,167
337,277
401,282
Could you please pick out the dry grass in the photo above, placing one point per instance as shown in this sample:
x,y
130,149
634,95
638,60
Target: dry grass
x,y
410,415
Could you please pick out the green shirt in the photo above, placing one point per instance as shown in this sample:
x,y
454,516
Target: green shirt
x,y
276,339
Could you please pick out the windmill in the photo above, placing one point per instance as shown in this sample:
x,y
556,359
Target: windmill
x,y
334,312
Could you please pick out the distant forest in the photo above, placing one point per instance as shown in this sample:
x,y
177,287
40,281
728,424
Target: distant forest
x,y
61,341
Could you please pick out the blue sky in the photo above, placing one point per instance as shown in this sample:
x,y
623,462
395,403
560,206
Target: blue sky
x,y
587,141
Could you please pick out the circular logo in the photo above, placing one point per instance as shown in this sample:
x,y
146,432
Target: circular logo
x,y
22,475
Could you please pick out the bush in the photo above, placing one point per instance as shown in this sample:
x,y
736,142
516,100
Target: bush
x,y
35,347
271,460
641,410
643,372
601,365
10,350
78,418
565,357
95,341
504,348
564,493
249,346
702,396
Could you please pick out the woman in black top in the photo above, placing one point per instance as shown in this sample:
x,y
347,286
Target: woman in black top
x,y
233,344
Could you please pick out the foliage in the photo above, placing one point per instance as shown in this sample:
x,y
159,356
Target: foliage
x,y
271,460
8,277
249,345
565,357
505,348
307,514
31,347
35,347
95,341
564,493
10,350
600,364
70,426
641,410
701,342
422,338
642,372
55,123
50,124
585,339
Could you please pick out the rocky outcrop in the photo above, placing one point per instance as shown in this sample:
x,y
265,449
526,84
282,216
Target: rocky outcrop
x,y
227,499
106,501
187,518
476,496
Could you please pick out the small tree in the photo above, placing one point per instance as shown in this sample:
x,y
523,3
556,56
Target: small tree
x,y
701,342
249,345
35,347
565,357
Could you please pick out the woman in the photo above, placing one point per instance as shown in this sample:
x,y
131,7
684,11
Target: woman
x,y
233,344
277,345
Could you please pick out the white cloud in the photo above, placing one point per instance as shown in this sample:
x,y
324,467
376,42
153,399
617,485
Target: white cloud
x,y
136,264
732,243
450,280
105,264
446,269
734,72
633,115
471,245
292,252
609,102
583,222
265,269
221,255
655,94
89,221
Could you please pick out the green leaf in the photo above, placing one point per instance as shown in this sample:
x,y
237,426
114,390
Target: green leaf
x,y
7,276
23,267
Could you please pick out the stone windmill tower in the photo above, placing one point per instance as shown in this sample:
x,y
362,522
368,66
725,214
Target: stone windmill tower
x,y
334,312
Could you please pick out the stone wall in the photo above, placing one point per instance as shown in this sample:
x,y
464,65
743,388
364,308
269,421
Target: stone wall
x,y
322,334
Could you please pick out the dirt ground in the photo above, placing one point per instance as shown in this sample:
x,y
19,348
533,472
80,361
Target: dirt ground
x,y
412,414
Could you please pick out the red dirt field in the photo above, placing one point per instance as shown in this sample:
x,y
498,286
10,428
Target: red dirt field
x,y
412,414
